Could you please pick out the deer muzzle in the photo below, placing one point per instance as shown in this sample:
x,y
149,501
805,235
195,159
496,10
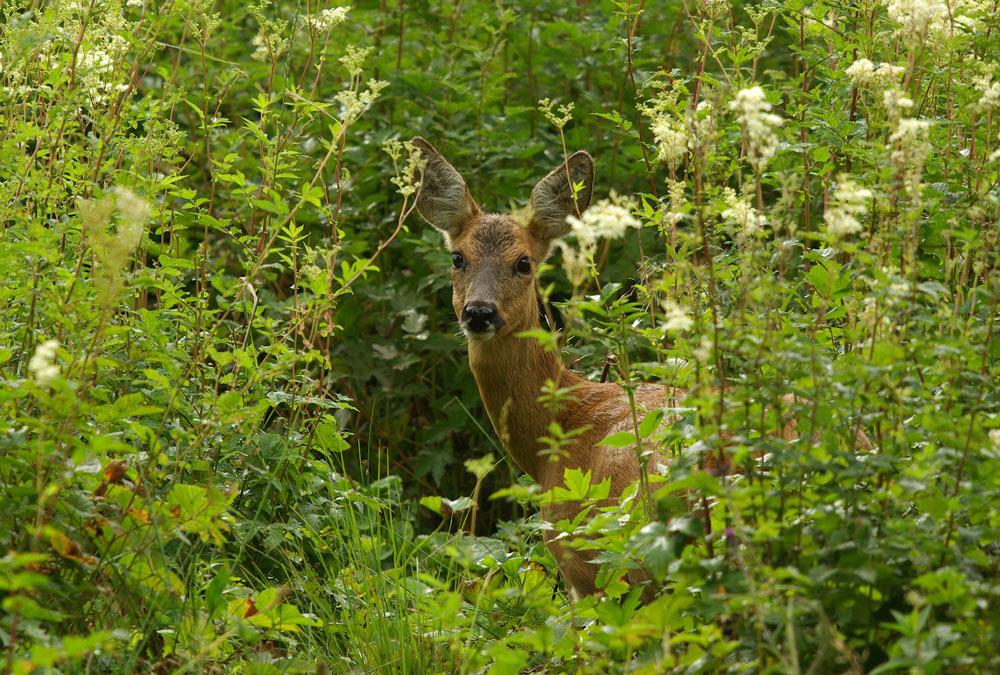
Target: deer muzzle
x,y
481,320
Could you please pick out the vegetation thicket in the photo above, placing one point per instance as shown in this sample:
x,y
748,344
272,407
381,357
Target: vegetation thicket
x,y
238,430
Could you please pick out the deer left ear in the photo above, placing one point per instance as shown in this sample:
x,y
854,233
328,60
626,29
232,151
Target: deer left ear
x,y
553,198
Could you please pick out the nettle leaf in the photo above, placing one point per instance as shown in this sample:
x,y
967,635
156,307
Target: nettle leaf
x,y
578,487
446,507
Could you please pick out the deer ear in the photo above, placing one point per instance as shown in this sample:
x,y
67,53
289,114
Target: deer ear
x,y
443,198
552,198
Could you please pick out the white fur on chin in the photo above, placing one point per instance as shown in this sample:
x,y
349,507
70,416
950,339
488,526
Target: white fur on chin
x,y
479,336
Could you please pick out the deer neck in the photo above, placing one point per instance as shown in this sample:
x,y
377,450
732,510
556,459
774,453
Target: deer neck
x,y
510,372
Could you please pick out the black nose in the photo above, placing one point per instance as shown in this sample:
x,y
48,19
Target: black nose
x,y
479,317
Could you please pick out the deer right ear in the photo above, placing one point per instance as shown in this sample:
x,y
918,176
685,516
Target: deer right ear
x,y
553,198
443,199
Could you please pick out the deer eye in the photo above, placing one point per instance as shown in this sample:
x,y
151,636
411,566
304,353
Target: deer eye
x,y
523,266
457,260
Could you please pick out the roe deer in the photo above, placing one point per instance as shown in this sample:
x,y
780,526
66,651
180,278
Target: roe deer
x,y
494,259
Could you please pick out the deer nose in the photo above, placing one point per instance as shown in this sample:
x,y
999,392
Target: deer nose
x,y
479,317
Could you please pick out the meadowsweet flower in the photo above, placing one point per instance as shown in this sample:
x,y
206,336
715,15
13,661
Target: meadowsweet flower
x,y
677,318
675,215
565,113
849,201
327,19
989,89
864,73
607,219
757,123
749,223
703,352
259,42
42,363
354,59
920,21
405,178
112,249
995,437
671,139
356,103
671,131
911,139
715,8
895,102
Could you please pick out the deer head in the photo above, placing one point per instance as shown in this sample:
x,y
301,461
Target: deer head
x,y
495,256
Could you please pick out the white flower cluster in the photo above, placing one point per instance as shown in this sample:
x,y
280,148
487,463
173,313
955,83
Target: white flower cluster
x,y
96,63
558,121
895,102
327,19
864,73
356,103
758,123
677,318
674,216
42,363
849,201
607,219
989,89
749,223
673,132
354,59
671,138
912,142
715,8
920,21
405,178
134,213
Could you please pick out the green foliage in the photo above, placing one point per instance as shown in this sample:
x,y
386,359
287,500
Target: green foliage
x,y
237,432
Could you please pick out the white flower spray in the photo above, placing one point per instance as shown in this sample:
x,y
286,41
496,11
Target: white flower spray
x,y
113,249
864,73
753,111
749,223
849,201
607,219
42,364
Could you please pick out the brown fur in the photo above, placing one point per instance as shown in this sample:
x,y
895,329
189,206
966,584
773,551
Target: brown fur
x,y
510,371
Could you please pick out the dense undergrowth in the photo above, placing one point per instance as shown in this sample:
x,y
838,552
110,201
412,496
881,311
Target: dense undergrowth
x,y
237,429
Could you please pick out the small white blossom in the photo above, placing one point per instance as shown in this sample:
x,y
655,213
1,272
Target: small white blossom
x,y
260,43
895,102
677,318
864,73
671,139
995,437
920,21
327,19
989,89
758,123
558,121
849,201
912,143
607,219
703,352
354,59
743,215
42,363
134,212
